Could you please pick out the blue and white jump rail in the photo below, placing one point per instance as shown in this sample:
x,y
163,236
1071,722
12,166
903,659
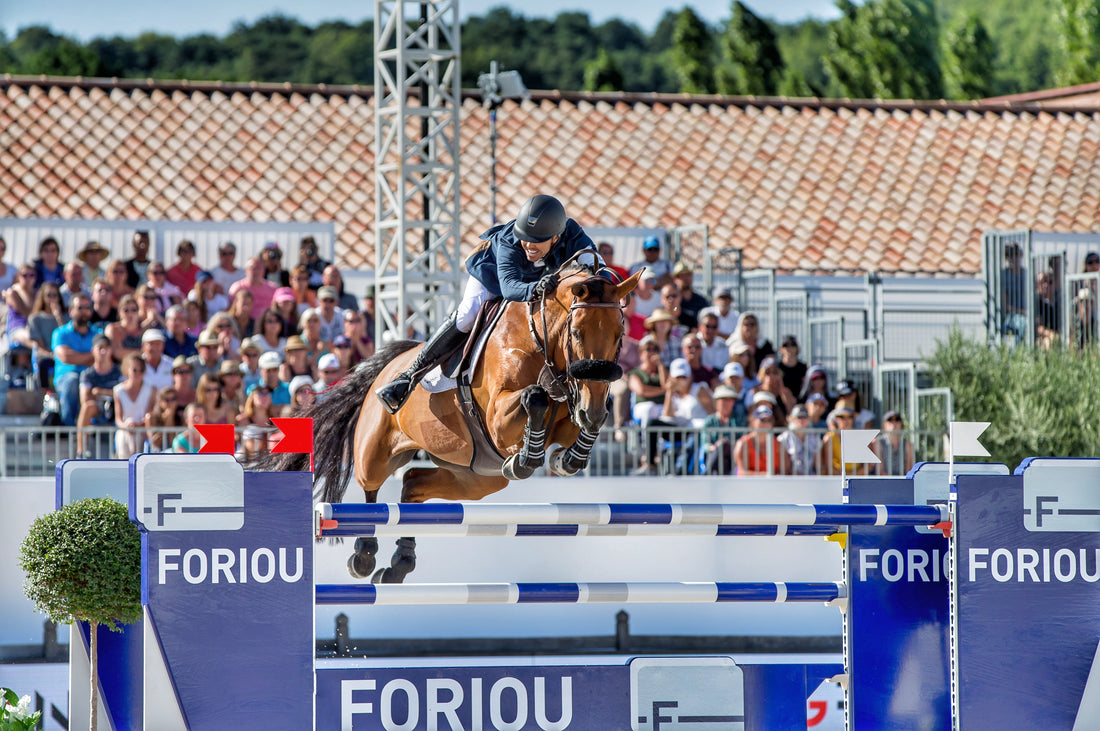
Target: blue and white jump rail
x,y
996,626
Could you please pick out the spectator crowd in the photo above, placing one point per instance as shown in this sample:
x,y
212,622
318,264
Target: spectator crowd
x,y
156,349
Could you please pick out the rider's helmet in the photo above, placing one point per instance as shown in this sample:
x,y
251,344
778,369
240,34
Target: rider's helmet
x,y
541,218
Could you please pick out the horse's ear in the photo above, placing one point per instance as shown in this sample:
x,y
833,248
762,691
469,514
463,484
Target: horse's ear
x,y
627,286
580,291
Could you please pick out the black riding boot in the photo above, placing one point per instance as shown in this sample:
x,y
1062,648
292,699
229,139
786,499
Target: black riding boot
x,y
448,337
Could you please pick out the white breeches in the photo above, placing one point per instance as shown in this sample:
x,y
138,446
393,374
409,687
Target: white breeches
x,y
473,297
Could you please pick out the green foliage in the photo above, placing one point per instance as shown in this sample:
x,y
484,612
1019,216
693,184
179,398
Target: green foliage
x,y
15,712
1039,403
602,74
693,53
885,49
753,64
968,59
83,562
1079,22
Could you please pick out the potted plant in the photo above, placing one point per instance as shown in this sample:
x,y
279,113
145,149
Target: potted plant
x,y
83,562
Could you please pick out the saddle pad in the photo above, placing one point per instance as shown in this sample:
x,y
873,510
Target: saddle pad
x,y
436,381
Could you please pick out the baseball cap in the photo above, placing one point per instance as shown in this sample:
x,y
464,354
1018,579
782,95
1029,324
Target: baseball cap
x,y
679,368
761,411
327,292
815,371
733,370
844,388
152,335
722,292
203,275
328,360
800,412
283,294
841,411
815,397
270,359
769,362
789,342
101,339
724,391
738,348
340,341
764,396
651,242
891,414
648,273
298,383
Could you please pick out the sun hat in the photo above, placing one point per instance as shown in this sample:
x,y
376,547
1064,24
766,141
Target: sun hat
x,y
765,396
298,383
152,335
328,360
270,359
724,391
283,294
295,342
679,368
659,315
733,370
89,248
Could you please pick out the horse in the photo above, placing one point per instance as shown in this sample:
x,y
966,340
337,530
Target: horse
x,y
543,378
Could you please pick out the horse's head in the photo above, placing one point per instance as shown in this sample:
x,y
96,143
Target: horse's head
x,y
590,339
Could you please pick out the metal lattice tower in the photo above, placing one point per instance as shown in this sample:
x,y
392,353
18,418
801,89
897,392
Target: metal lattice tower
x,y
417,100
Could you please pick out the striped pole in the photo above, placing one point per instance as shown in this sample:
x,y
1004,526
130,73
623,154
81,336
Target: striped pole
x,y
580,593
574,530
355,516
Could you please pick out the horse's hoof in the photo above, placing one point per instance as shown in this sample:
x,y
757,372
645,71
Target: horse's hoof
x,y
387,576
514,470
558,465
360,566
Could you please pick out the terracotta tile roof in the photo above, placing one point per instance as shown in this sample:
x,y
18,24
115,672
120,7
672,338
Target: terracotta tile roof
x,y
796,184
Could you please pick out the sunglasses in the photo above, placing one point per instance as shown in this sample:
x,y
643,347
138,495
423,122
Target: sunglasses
x,y
342,345
224,326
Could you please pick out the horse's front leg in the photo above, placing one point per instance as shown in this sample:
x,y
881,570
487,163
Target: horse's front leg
x,y
521,465
566,462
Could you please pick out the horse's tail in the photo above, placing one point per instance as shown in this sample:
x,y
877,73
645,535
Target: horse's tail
x,y
334,427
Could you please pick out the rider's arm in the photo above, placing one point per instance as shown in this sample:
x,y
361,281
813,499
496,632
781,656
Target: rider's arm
x,y
510,273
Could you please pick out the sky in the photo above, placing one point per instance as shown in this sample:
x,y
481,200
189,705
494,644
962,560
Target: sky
x,y
87,19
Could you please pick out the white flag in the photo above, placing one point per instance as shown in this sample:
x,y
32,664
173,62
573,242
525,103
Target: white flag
x,y
964,438
854,447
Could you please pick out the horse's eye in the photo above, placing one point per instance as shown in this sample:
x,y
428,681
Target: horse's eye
x,y
575,333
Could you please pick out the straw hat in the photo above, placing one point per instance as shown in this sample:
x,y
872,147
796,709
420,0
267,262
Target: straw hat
x,y
92,246
659,315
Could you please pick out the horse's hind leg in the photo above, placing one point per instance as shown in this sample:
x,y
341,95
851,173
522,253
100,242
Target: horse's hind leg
x,y
536,402
361,563
423,483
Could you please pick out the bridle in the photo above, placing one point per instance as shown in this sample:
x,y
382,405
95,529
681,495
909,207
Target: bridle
x,y
565,386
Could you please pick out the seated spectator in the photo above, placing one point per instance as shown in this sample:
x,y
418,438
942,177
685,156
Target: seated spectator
x,y
137,266
163,416
103,313
258,408
240,311
206,361
739,354
666,332
646,295
651,253
183,381
733,378
801,445
47,315
634,323
208,394
330,372
148,314
285,306
301,395
19,298
619,390
818,406
793,369
1085,327
125,335
72,351
332,317
269,331
309,325
48,267
817,381
134,401
893,448
296,360
117,277
341,348
828,455
355,332
305,297
232,382
269,379
260,293
96,395
703,379
167,293
718,436
158,369
195,323
691,302
847,393
184,273
679,409
723,308
253,444
7,271
190,441
759,452
748,334
331,277
205,293
90,257
272,259
178,342
250,362
647,382
369,315
1014,285
771,381
223,328
310,257
227,273
73,282
607,253
716,354
1048,313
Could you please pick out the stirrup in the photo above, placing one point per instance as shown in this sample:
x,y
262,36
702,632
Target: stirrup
x,y
391,400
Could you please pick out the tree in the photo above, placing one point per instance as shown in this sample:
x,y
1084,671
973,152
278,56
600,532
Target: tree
x,y
968,59
885,49
1079,22
603,74
753,64
83,563
693,53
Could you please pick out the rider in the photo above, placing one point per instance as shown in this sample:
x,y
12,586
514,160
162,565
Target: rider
x,y
517,262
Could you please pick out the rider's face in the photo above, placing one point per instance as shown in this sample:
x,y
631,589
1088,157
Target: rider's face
x,y
534,251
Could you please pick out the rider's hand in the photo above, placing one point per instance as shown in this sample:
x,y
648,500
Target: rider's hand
x,y
545,286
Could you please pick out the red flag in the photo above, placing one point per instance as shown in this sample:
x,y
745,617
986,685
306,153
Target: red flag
x,y
297,437
219,438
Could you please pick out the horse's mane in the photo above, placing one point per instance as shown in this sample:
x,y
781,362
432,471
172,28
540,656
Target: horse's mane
x,y
597,285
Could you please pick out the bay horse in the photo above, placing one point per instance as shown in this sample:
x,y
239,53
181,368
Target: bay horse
x,y
542,379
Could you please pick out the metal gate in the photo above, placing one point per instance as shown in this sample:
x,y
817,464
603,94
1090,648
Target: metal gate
x,y
858,367
792,315
935,411
759,299
897,384
824,345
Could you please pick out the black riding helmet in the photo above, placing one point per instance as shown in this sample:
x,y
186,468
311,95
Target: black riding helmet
x,y
541,218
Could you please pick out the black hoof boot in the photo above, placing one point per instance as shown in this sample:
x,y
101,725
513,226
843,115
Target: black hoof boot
x,y
361,563
401,564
